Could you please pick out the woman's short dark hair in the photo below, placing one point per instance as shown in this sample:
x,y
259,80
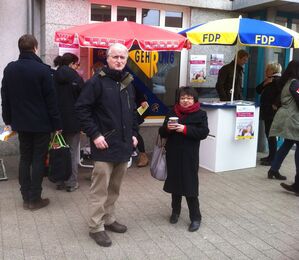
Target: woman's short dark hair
x,y
188,91
27,42
66,59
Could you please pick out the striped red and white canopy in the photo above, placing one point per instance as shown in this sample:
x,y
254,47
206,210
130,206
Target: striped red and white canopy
x,y
102,35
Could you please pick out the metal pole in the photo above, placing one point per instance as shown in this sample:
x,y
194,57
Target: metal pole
x,y
234,77
29,17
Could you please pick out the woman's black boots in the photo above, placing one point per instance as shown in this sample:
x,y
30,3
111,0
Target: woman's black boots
x,y
176,201
194,213
174,218
275,175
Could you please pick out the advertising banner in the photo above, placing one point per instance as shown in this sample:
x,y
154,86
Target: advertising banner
x,y
244,122
198,68
216,62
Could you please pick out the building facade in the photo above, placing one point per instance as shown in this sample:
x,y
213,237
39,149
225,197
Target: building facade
x,y
43,17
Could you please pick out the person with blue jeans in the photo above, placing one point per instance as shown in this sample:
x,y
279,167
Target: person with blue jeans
x,y
286,125
279,158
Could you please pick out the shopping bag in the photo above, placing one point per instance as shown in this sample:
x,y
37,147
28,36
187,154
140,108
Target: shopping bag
x,y
60,162
158,167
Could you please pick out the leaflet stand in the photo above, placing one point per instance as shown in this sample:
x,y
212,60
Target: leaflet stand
x,y
3,176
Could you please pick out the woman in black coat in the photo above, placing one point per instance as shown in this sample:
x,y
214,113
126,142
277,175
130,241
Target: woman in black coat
x,y
182,153
68,85
269,103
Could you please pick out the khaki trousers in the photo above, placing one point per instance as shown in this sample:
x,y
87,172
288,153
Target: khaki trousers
x,y
106,180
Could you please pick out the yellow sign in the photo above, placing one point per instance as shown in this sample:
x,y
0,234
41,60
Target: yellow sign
x,y
146,61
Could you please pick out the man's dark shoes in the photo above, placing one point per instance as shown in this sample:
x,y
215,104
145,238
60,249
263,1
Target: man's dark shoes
x,y
276,175
101,238
194,225
116,227
174,218
41,203
290,188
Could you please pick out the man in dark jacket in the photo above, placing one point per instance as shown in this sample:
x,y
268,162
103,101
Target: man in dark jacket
x,y
225,78
29,106
106,110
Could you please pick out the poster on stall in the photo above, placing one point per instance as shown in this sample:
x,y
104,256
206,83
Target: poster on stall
x,y
244,122
198,68
216,62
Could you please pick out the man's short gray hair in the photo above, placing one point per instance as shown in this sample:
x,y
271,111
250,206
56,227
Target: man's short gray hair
x,y
118,46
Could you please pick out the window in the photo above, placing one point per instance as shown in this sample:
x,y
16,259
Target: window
x,y
174,19
100,13
151,17
126,13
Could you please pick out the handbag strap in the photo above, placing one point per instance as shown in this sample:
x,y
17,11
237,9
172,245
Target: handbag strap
x,y
61,140
58,138
160,141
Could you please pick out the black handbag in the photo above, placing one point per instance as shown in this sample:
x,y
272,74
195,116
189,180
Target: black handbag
x,y
60,162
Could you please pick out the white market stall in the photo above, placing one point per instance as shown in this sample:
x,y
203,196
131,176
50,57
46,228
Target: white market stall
x,y
221,151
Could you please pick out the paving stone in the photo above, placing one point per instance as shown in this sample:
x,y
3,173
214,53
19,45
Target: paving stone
x,y
275,254
251,252
245,216
13,253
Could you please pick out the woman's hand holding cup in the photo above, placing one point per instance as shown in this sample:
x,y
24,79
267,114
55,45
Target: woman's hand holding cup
x,y
172,123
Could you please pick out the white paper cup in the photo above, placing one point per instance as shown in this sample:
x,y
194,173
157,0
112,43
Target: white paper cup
x,y
173,120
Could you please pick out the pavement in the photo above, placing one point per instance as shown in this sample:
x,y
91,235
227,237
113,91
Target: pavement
x,y
245,216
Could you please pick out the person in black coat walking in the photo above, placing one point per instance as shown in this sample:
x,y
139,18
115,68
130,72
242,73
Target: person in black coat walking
x,y
182,153
68,85
29,106
269,103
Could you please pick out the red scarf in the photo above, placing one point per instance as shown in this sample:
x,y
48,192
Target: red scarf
x,y
183,111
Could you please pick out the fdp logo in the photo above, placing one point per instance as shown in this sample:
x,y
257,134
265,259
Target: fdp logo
x,y
264,39
211,38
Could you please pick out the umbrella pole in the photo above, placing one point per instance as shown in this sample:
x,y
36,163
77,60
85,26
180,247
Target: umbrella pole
x,y
234,77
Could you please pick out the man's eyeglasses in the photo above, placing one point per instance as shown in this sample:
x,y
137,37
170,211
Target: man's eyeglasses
x,y
187,98
119,57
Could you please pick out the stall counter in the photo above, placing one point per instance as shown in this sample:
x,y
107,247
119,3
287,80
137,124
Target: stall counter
x,y
220,152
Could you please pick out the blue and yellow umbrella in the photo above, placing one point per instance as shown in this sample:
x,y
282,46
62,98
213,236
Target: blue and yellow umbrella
x,y
242,31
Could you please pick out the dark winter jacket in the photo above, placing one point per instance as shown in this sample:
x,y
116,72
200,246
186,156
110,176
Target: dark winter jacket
x,y
68,85
28,96
107,107
182,153
270,96
225,82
